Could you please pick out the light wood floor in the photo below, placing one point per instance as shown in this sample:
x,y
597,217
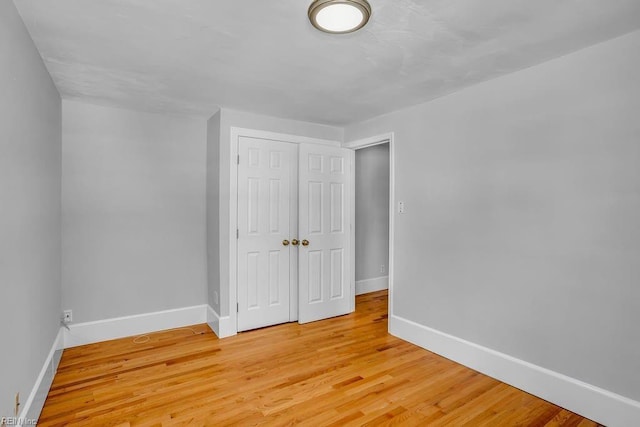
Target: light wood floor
x,y
341,371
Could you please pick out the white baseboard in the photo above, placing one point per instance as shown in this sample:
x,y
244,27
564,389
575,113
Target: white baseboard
x,y
108,329
372,285
33,405
220,325
595,403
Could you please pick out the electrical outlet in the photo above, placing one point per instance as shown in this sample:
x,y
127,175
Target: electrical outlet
x,y
67,316
401,208
16,411
215,297
382,268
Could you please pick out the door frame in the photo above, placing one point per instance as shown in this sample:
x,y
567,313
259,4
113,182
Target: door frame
x,y
364,143
236,133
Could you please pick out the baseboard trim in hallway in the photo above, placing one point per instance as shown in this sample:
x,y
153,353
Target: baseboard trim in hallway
x,y
372,285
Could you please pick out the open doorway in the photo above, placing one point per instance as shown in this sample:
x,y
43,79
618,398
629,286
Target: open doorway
x,y
366,284
372,218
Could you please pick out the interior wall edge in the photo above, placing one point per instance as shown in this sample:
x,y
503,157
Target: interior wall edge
x,y
222,326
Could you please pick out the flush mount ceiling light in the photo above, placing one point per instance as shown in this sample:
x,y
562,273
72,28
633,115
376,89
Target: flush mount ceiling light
x,y
339,16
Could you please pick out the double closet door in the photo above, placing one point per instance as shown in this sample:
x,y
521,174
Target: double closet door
x,y
293,232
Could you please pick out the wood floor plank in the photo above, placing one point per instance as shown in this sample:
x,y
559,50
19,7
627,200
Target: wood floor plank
x,y
337,372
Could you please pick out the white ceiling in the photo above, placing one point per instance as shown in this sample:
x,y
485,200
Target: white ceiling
x,y
192,56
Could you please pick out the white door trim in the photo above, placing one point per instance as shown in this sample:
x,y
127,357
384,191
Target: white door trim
x,y
364,143
236,133
282,137
370,141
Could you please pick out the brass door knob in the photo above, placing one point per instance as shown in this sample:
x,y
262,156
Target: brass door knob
x,y
305,242
295,242
285,242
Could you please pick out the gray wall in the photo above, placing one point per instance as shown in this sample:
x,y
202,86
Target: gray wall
x,y
133,200
372,211
522,224
29,210
213,211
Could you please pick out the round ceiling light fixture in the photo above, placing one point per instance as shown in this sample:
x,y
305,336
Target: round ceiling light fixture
x,y
339,16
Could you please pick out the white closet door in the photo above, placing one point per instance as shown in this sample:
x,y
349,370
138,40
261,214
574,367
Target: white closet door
x,y
266,202
324,222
